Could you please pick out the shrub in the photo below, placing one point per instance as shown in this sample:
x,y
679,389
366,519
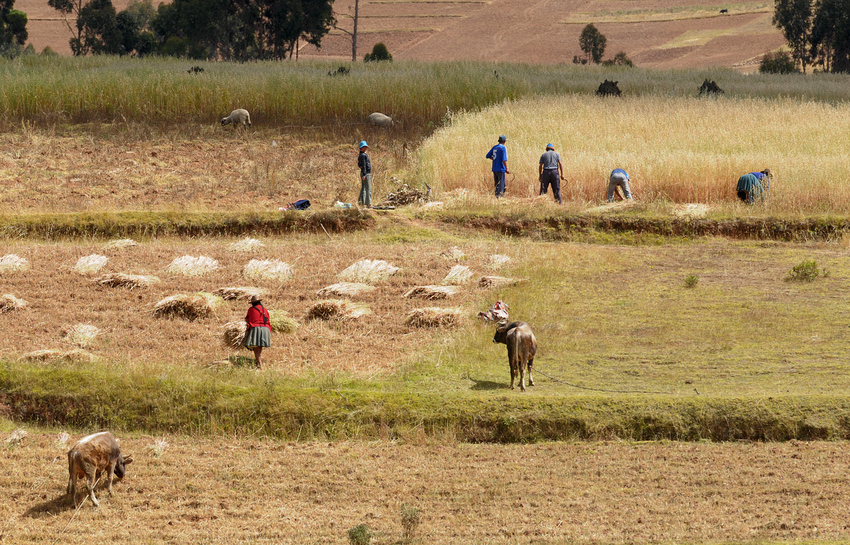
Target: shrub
x,y
409,521
360,535
691,281
620,59
806,271
379,53
778,62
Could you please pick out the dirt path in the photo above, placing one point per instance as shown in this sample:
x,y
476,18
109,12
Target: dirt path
x,y
245,491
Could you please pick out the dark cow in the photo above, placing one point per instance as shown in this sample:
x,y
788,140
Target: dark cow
x,y
724,11
89,457
522,346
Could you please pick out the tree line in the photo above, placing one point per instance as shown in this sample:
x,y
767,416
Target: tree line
x,y
199,29
817,32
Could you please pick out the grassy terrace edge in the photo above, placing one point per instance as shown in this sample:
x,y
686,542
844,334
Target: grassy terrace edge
x,y
245,403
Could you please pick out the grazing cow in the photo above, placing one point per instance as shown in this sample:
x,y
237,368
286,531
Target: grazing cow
x,y
89,457
724,11
522,346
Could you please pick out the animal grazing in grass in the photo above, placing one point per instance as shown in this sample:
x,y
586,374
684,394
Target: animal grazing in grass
x,y
240,116
89,457
522,346
724,11
380,120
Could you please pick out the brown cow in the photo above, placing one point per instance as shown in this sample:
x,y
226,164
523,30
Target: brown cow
x,y
522,346
89,457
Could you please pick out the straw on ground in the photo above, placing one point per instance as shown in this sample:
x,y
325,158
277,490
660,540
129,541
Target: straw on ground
x,y
434,317
272,269
432,292
188,306
281,322
233,334
80,334
337,309
367,271
498,261
131,281
120,244
460,274
59,356
240,293
9,302
489,282
90,264
12,263
247,244
192,266
345,289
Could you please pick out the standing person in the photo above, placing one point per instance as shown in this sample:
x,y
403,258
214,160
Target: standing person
x,y
618,178
259,334
551,171
754,186
365,198
499,155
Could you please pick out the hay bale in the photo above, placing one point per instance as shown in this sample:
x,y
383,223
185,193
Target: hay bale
x,y
9,302
131,281
243,293
11,263
59,356
188,307
433,317
90,264
489,282
345,289
192,266
460,274
337,309
280,322
497,261
454,253
80,334
233,335
432,292
273,269
367,271
120,244
247,244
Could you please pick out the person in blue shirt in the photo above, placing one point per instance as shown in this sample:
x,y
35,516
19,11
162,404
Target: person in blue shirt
x,y
365,197
499,155
619,178
753,186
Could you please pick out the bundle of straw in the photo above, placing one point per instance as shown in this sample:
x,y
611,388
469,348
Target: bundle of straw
x,y
120,244
9,302
489,282
368,272
188,307
12,263
432,292
433,317
460,274
280,322
247,244
338,310
80,334
192,266
131,281
233,335
499,260
90,264
59,356
345,289
273,269
239,293
454,253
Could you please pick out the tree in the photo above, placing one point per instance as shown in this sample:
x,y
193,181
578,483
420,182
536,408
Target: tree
x,y
620,59
13,26
379,53
98,30
830,35
352,33
794,19
779,62
592,43
287,21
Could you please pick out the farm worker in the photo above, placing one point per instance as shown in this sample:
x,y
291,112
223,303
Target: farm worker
x,y
618,178
551,171
499,155
754,186
259,335
365,198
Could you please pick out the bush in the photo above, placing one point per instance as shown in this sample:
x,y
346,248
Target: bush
x,y
360,535
620,59
779,62
691,281
379,53
806,271
409,521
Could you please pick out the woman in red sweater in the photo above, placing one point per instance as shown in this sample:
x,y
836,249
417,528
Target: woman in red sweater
x,y
259,334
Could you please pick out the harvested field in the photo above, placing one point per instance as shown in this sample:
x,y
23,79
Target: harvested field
x,y
471,494
130,281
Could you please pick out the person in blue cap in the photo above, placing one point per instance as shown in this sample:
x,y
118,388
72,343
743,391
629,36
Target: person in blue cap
x,y
365,198
499,155
753,186
551,171
619,178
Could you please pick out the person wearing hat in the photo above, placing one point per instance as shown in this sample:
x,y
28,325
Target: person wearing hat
x,y
499,155
365,198
259,334
551,171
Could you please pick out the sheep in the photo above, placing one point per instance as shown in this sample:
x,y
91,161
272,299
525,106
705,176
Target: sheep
x,y
238,116
380,120
90,456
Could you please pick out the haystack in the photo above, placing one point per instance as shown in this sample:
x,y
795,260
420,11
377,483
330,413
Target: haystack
x,y
247,244
489,282
280,322
131,281
12,263
367,271
59,356
9,302
345,289
188,307
90,264
120,244
80,334
192,266
337,309
434,317
273,269
432,292
233,335
242,293
460,274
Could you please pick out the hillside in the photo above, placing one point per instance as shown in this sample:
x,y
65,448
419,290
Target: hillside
x,y
676,34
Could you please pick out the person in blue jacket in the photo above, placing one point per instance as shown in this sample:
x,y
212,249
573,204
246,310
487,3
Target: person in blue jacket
x,y
618,178
753,187
499,155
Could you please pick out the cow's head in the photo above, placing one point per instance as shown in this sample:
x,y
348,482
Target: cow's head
x,y
501,332
119,466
